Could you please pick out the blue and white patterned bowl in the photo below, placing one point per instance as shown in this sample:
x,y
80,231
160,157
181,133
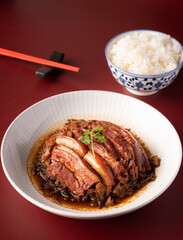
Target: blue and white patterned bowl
x,y
143,85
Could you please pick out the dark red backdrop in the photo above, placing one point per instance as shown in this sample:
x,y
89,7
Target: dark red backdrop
x,y
81,30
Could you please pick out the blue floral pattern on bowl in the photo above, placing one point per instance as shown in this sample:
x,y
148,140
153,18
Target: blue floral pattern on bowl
x,y
143,84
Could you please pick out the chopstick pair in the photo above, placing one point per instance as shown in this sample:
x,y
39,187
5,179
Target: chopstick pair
x,y
25,57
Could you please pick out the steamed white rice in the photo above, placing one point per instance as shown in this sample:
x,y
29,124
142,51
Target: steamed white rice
x,y
147,53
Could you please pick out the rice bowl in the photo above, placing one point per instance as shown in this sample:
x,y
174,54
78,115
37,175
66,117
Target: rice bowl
x,y
141,84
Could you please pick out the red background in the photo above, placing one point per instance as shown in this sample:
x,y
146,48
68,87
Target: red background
x,y
81,29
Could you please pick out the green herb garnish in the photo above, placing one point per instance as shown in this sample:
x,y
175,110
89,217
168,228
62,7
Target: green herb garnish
x,y
88,136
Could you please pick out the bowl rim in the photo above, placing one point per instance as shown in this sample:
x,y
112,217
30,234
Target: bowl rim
x,y
143,75
91,215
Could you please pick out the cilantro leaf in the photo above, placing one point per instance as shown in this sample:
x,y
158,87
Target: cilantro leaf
x,y
98,128
88,136
100,137
85,139
86,133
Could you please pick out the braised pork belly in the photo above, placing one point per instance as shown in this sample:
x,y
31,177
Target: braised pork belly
x,y
93,161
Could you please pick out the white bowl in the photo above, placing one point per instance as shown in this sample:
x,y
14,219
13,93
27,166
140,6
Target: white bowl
x,y
149,124
138,84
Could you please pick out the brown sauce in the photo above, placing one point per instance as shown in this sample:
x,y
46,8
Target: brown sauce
x,y
82,206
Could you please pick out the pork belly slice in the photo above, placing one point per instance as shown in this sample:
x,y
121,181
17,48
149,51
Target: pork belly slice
x,y
140,155
76,165
123,149
65,177
110,158
73,144
101,167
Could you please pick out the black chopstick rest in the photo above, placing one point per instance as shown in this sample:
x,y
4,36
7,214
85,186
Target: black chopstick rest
x,y
45,71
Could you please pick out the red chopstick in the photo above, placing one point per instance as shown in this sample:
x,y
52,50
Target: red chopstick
x,y
13,54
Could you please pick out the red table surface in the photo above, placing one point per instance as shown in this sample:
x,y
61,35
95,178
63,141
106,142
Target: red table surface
x,y
81,29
